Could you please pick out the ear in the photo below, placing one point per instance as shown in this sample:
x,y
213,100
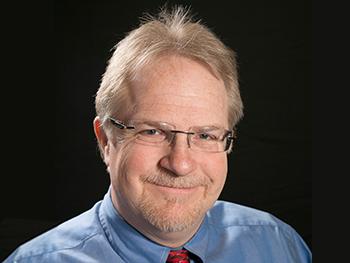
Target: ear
x,y
102,139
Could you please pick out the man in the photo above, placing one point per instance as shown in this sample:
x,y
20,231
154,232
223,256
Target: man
x,y
166,111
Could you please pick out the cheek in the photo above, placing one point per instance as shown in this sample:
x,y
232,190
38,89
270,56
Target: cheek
x,y
134,161
216,169
137,160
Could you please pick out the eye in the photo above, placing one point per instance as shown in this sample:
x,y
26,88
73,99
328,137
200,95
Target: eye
x,y
151,135
206,136
151,132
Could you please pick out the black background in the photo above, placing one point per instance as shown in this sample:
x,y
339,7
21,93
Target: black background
x,y
55,171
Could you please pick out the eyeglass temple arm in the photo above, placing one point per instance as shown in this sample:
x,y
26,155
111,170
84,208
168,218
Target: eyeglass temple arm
x,y
232,135
119,124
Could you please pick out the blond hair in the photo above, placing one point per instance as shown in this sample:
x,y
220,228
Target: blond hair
x,y
170,32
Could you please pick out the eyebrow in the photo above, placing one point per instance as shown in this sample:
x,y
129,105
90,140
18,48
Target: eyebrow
x,y
208,127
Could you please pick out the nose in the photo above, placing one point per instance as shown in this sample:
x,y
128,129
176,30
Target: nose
x,y
179,158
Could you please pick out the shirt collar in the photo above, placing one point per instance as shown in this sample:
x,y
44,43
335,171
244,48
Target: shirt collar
x,y
133,246
198,244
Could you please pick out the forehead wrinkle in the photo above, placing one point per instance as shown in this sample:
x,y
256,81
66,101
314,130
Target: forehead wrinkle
x,y
174,108
181,118
193,101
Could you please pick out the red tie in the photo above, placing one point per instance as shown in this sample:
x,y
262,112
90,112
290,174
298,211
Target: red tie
x,y
178,256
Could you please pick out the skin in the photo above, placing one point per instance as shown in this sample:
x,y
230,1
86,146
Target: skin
x,y
164,192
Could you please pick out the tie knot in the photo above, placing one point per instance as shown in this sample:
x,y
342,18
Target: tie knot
x,y
178,256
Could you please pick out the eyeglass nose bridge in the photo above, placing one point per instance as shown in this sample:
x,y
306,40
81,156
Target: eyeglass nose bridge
x,y
172,134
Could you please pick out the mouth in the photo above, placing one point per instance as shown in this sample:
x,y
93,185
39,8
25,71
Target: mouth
x,y
175,189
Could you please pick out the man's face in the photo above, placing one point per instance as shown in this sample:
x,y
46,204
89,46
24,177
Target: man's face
x,y
148,181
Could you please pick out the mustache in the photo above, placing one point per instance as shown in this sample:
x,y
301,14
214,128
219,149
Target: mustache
x,y
169,179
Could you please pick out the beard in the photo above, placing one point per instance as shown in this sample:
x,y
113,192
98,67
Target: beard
x,y
173,213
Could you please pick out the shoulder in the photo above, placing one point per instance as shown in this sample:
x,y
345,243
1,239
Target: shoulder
x,y
226,215
249,233
229,214
68,235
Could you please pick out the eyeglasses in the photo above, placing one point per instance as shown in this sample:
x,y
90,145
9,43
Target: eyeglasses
x,y
206,139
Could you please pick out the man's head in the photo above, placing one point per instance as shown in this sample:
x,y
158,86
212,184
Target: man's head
x,y
165,107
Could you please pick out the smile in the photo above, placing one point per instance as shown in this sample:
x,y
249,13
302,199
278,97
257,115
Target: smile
x,y
175,189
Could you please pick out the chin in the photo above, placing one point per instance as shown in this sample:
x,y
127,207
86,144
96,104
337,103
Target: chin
x,y
171,215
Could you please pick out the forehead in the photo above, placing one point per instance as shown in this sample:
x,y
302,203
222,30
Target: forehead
x,y
179,90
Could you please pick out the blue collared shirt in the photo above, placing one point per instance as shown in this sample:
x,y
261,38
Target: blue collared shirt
x,y
229,233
